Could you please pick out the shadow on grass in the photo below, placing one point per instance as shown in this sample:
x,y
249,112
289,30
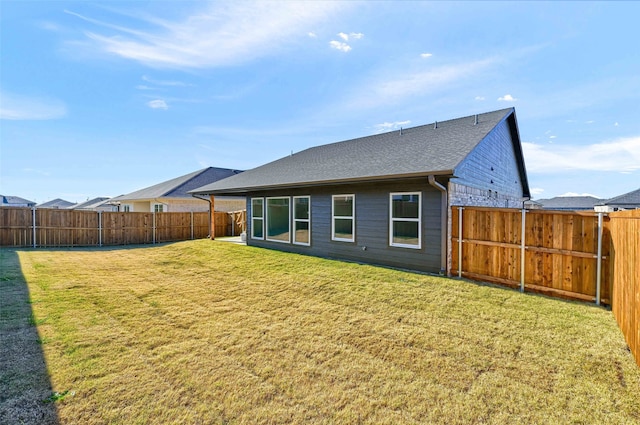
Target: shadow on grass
x,y
24,379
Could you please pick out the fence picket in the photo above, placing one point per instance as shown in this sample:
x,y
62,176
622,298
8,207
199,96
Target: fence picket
x,y
27,227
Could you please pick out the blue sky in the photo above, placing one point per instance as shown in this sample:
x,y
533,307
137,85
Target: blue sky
x,y
104,98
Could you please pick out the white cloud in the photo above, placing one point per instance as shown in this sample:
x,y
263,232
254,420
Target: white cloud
x,y
158,104
312,34
426,55
18,107
479,98
536,190
622,155
166,82
344,47
353,35
388,126
507,98
222,34
401,84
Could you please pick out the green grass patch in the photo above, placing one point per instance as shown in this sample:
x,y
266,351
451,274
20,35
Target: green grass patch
x,y
211,332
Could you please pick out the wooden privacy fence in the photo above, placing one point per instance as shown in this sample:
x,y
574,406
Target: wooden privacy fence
x,y
31,227
578,255
230,224
624,227
552,252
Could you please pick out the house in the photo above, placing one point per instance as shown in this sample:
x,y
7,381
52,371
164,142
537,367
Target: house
x,y
569,203
15,201
56,204
173,195
96,204
383,199
627,201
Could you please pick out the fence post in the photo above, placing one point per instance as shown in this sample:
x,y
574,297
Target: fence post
x,y
153,229
599,263
460,209
99,228
33,216
522,249
191,225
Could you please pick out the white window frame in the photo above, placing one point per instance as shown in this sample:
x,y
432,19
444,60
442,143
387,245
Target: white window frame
x,y
158,208
352,217
266,217
253,218
127,208
393,220
301,220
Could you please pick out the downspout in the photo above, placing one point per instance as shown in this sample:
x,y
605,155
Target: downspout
x,y
210,212
444,219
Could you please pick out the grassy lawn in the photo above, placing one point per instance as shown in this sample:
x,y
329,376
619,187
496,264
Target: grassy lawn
x,y
208,332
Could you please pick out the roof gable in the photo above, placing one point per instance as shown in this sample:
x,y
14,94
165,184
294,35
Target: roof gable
x,y
418,151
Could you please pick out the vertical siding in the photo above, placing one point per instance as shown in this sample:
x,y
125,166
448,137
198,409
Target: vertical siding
x,y
372,225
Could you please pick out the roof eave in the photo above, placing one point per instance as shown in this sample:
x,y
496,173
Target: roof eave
x,y
332,182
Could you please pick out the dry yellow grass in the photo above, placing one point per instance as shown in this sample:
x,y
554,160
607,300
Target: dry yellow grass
x,y
212,333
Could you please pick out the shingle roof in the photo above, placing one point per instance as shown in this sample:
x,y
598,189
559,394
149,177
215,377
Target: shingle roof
x,y
436,148
569,202
631,198
179,187
56,203
8,200
91,203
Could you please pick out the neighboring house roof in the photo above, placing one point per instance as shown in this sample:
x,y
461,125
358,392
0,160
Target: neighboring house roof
x,y
56,203
10,201
180,186
627,200
91,204
569,203
436,149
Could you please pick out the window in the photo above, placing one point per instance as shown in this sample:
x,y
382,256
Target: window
x,y
158,208
126,208
278,220
301,220
343,218
405,214
257,218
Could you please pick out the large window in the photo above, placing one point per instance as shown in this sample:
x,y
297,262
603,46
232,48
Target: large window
x,y
343,218
158,208
278,222
257,218
405,216
301,220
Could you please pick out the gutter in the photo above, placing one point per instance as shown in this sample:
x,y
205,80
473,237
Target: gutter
x,y
242,190
444,225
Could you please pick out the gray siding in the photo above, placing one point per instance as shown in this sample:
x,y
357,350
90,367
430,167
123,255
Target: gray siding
x,y
492,167
371,225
